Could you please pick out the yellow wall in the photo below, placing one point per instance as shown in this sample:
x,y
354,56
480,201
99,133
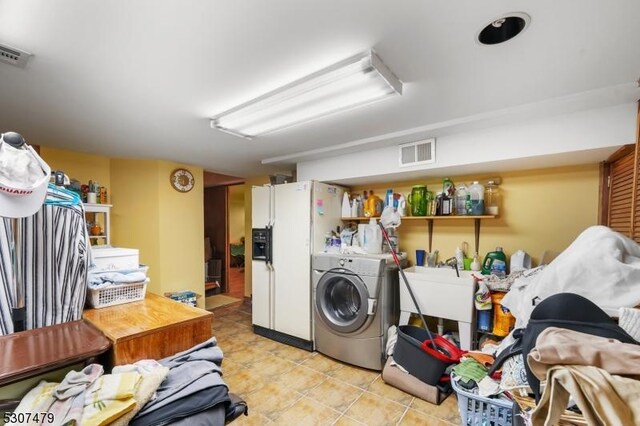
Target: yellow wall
x,y
541,210
148,214
166,225
135,215
79,165
181,232
247,229
236,213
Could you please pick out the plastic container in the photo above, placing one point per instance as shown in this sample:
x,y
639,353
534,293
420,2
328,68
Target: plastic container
x,y
373,205
460,259
492,198
520,261
478,411
418,200
476,198
503,321
475,263
409,354
372,241
461,199
448,188
346,205
116,294
388,198
495,262
484,320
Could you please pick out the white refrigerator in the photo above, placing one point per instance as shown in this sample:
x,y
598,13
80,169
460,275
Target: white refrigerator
x,y
289,224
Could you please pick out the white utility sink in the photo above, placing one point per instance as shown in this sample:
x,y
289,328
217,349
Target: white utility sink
x,y
440,293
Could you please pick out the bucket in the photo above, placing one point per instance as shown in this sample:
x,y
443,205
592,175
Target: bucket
x,y
503,320
413,351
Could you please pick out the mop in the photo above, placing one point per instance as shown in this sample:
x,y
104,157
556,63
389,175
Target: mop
x,y
437,347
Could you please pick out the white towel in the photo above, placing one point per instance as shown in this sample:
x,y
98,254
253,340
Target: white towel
x,y
630,321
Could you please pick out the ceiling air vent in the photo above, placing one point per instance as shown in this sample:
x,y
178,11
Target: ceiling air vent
x,y
14,56
416,153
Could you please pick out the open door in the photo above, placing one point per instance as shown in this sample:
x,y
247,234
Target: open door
x,y
215,232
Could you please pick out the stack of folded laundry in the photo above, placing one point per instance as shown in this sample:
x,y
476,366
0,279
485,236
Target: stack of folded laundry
x,y
101,279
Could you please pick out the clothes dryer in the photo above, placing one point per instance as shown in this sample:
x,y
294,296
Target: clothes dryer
x,y
355,300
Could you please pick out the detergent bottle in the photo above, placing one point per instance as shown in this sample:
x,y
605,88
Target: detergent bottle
x,y
495,262
372,241
373,205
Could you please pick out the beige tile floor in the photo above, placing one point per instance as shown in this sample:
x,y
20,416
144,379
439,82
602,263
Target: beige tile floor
x,y
284,385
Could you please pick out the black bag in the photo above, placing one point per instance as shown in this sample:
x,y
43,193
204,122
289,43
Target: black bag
x,y
562,310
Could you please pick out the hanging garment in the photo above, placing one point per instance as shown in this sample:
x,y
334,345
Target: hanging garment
x,y
54,254
6,277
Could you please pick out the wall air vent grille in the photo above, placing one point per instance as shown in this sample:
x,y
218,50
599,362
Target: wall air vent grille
x,y
13,56
416,153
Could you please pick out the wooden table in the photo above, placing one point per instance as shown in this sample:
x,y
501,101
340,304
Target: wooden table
x,y
153,328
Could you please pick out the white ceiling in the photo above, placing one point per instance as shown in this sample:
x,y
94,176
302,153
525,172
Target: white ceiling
x,y
140,78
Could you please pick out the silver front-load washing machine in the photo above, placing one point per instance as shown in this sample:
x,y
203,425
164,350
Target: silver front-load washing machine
x,y
355,300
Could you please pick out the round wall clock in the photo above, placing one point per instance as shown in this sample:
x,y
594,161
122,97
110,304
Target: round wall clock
x,y
182,180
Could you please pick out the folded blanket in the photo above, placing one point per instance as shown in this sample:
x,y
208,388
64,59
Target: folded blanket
x,y
101,279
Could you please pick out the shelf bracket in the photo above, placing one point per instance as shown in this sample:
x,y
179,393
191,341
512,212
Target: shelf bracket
x,y
430,229
477,229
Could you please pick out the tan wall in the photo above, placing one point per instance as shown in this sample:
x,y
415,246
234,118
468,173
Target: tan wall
x,y
541,209
236,213
247,229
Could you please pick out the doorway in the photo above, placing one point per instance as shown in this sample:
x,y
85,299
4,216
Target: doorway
x,y
223,239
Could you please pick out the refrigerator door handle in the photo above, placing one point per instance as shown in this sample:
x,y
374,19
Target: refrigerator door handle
x,y
269,248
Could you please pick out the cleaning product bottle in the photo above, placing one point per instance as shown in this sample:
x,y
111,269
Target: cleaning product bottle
x,y
475,264
355,207
461,199
372,237
476,192
346,205
460,258
388,198
495,262
503,320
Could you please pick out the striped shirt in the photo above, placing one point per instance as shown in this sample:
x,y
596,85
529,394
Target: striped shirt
x,y
55,260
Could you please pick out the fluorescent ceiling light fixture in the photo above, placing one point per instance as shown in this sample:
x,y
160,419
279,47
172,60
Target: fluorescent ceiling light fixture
x,y
356,81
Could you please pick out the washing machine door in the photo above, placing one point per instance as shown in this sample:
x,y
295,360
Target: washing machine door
x,y
342,301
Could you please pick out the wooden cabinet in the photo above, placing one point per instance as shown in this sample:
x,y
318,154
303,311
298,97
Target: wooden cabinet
x,y
99,213
153,328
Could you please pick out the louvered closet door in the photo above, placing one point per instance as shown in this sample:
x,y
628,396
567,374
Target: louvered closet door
x,y
621,193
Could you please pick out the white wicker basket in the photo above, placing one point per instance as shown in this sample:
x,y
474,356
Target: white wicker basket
x,y
116,294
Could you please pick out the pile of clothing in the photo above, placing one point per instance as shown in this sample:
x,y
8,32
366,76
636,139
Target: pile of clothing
x,y
578,359
184,389
101,279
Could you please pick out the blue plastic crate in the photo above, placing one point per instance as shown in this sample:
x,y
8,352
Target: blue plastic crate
x,y
476,410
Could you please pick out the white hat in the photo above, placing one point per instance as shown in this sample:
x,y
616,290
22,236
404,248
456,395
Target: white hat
x,y
23,180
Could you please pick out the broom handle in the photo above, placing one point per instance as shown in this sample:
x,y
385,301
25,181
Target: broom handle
x,y
406,283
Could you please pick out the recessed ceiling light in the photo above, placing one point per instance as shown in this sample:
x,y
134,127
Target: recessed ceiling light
x,y
504,28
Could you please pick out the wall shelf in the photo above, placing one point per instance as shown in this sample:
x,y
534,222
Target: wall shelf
x,y
430,219
103,209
